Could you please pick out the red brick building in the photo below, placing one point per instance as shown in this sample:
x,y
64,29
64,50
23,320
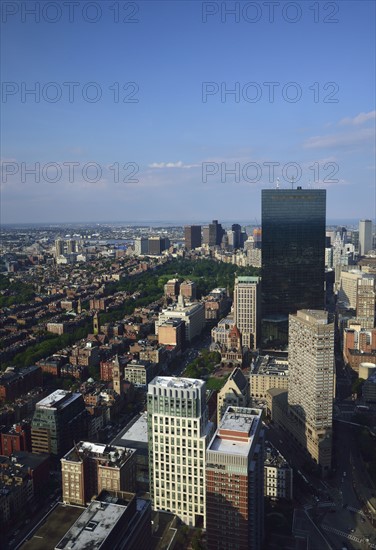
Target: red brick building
x,y
15,439
359,346
15,382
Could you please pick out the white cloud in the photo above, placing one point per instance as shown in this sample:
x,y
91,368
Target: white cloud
x,y
361,118
344,139
178,164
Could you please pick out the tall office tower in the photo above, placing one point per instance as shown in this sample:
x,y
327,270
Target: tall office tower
x,y
213,235
178,432
192,236
311,383
59,420
236,228
59,247
141,246
155,246
365,236
165,243
205,235
71,246
293,251
247,309
235,482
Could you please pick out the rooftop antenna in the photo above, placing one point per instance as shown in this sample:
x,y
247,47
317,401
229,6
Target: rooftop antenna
x,y
277,184
292,182
309,184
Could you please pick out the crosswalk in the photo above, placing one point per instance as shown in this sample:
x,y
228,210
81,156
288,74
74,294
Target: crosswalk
x,y
346,535
341,533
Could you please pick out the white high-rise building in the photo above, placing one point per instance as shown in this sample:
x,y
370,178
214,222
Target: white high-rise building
x,y
247,309
365,236
178,433
311,382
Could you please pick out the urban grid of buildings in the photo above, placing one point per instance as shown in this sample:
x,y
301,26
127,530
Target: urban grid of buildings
x,y
127,432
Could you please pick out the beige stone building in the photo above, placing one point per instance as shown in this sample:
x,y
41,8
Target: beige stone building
x,y
235,393
312,383
192,314
268,373
247,309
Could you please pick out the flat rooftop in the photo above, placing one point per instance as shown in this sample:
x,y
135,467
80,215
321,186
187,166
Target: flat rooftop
x,y
92,527
172,382
266,364
53,399
138,431
115,456
318,315
53,528
236,420
247,279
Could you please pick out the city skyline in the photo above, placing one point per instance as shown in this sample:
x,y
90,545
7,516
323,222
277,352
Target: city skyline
x,y
202,123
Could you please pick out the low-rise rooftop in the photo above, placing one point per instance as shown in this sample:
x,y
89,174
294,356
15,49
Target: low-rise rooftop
x,y
236,431
178,383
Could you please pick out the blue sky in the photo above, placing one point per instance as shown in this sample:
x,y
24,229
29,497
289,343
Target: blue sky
x,y
177,60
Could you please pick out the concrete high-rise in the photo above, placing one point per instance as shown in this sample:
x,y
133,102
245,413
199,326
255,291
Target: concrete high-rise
x,y
59,247
192,236
141,246
178,432
365,236
235,482
212,234
311,383
366,301
247,309
293,251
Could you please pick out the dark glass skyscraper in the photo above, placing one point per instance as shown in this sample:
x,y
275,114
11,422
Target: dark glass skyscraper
x,y
293,250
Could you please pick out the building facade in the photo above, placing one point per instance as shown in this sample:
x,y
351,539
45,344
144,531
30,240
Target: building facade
x,y
365,237
193,316
58,420
293,251
247,309
278,475
311,383
178,432
88,468
235,482
192,236
267,373
235,393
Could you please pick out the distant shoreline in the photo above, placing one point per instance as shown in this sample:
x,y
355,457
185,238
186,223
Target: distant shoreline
x,y
158,223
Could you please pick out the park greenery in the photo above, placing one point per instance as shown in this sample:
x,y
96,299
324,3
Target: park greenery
x,y
203,368
14,293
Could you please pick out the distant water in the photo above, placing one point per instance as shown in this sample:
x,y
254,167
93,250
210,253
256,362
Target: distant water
x,y
348,222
